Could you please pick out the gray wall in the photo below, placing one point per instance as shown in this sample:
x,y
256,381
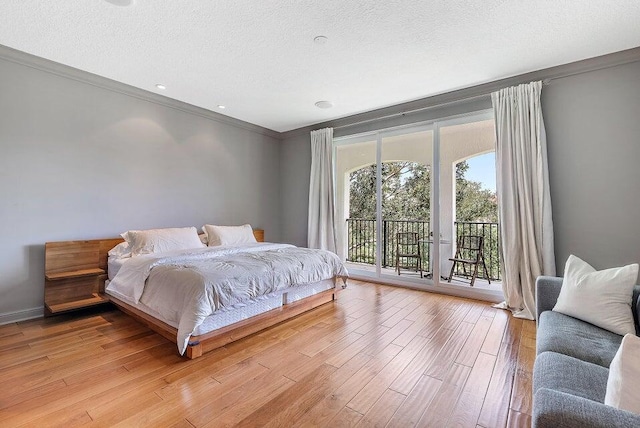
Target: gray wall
x,y
593,132
295,167
78,161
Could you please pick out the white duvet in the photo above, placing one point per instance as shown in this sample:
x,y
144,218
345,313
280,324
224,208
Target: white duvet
x,y
185,287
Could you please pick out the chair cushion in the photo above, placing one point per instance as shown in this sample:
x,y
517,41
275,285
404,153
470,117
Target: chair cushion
x,y
570,375
570,336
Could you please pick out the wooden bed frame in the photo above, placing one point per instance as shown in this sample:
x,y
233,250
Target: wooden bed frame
x,y
217,338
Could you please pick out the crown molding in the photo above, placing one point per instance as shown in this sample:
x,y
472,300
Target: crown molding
x,y
65,71
475,92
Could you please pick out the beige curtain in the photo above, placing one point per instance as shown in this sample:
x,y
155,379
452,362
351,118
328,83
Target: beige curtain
x,y
321,232
526,226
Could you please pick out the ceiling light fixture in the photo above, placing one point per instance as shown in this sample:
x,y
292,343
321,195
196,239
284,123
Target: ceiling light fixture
x,y
221,106
324,104
120,2
320,40
161,86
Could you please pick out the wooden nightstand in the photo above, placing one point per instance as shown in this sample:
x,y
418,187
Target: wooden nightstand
x,y
75,272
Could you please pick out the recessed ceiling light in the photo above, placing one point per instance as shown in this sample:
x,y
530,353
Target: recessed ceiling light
x,y
324,104
161,86
120,2
220,106
320,40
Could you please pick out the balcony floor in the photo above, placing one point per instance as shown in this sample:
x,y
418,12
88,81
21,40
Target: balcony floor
x,y
479,284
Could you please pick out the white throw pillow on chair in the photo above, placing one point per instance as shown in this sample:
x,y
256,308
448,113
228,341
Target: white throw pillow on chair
x,y
602,298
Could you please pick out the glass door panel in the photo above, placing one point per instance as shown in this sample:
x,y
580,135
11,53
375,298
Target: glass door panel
x,y
468,204
356,204
406,159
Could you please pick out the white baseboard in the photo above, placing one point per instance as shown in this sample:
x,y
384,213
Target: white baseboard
x,y
442,288
25,314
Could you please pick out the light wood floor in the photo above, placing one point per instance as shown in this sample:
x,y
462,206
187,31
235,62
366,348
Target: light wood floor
x,y
380,356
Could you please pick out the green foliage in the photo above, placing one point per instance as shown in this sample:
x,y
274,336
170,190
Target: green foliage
x,y
406,191
406,194
473,203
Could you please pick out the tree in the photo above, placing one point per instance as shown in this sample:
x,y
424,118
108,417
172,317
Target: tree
x,y
406,191
473,203
406,194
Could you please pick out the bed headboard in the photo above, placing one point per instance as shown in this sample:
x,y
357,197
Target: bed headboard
x,y
66,256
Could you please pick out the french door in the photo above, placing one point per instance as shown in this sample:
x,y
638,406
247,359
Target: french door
x,y
398,182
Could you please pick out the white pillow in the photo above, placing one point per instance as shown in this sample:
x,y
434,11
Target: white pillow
x,y
229,235
120,251
623,389
602,298
162,240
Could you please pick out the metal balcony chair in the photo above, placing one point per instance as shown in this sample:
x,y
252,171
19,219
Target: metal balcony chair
x,y
408,247
469,251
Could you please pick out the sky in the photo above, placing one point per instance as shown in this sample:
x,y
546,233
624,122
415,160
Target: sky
x,y
483,169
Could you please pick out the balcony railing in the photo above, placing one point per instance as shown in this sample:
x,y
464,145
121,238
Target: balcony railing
x,y
361,242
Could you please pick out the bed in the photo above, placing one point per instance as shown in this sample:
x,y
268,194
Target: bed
x,y
203,297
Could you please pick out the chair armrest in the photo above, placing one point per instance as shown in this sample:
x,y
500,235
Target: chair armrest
x,y
560,410
547,292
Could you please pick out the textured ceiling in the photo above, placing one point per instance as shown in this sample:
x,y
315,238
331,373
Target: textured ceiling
x,y
258,57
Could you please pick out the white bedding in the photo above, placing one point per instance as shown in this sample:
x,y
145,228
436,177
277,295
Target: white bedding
x,y
114,265
185,287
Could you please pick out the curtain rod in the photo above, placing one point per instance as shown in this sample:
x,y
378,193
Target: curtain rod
x,y
545,82
411,111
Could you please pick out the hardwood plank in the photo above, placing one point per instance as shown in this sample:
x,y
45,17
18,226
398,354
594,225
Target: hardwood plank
x,y
327,409
443,361
357,346
274,355
294,403
387,338
518,420
454,316
367,397
383,410
469,352
115,411
396,318
346,418
495,409
412,409
529,329
405,382
494,336
521,399
284,407
298,371
467,411
439,410
246,405
417,328
475,312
